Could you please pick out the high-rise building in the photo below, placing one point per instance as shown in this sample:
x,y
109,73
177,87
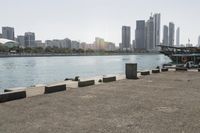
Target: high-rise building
x,y
149,34
156,34
140,35
1,35
199,41
99,43
75,45
8,33
165,35
171,33
126,38
21,41
30,39
178,37
133,45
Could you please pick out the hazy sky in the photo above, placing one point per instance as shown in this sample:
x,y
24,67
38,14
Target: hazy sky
x,y
83,20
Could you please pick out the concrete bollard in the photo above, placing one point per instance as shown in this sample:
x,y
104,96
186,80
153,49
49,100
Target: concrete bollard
x,y
131,71
55,88
109,79
12,96
145,73
156,71
198,69
86,83
181,69
164,69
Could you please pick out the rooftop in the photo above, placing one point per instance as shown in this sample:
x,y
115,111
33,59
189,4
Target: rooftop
x,y
166,102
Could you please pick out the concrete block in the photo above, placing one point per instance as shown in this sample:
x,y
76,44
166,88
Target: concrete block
x,y
164,69
86,83
131,71
55,88
145,73
109,79
10,96
156,71
181,69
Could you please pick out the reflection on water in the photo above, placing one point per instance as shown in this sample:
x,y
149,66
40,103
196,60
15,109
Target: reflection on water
x,y
16,72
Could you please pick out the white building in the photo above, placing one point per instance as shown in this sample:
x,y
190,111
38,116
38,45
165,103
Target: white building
x,y
171,33
178,37
156,31
199,41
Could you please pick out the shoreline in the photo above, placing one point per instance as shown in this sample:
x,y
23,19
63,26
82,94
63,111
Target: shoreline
x,y
57,55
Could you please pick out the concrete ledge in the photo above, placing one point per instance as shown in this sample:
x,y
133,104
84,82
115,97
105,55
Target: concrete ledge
x,y
145,73
86,83
164,69
109,79
181,69
156,71
53,89
14,89
12,96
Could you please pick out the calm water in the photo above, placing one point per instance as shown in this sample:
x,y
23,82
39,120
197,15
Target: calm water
x,y
27,71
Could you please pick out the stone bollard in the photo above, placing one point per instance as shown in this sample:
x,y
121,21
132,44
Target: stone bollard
x,y
12,96
109,79
131,71
156,71
164,69
86,83
54,88
145,73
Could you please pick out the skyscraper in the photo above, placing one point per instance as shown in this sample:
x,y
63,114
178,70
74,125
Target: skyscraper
x,y
149,43
29,39
126,38
8,33
178,37
140,35
156,34
171,33
165,35
199,41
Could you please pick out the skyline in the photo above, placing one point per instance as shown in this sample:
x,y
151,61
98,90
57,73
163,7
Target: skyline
x,y
86,20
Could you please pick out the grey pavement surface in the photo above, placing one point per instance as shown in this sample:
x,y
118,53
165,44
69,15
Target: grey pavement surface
x,y
168,102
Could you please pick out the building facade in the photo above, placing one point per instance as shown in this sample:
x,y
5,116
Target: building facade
x,y
99,43
126,38
149,34
21,41
171,33
178,37
30,39
140,35
165,35
199,41
8,33
156,31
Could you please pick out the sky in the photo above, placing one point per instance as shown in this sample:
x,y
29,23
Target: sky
x,y
83,20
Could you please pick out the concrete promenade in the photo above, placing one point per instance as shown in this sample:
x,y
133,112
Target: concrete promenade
x,y
167,102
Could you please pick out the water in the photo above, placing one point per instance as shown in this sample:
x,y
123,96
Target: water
x,y
27,71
